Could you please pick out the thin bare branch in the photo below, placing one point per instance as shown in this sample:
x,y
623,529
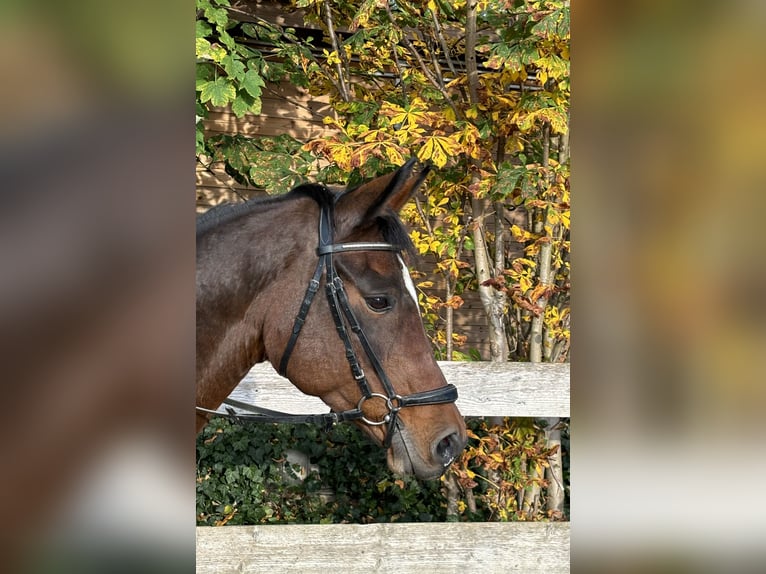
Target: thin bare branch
x,y
209,169
344,93
422,215
291,101
443,43
421,63
434,62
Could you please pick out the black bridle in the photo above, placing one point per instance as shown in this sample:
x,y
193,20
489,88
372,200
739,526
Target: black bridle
x,y
343,315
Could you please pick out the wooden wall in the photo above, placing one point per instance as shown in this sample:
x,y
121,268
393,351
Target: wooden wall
x,y
287,109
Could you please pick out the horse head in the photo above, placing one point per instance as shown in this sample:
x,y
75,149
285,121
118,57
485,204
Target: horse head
x,y
367,352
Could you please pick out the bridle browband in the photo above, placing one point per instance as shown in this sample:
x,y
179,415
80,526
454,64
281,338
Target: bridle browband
x,y
342,314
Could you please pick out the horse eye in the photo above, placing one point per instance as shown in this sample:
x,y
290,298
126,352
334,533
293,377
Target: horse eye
x,y
378,304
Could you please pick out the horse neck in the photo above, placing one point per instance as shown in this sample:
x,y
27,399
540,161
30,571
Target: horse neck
x,y
237,263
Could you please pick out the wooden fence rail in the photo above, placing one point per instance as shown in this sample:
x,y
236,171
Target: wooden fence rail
x,y
485,389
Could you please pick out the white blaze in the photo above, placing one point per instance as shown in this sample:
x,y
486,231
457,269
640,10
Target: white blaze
x,y
408,280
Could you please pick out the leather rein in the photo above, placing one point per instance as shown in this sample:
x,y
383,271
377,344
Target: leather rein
x,y
344,319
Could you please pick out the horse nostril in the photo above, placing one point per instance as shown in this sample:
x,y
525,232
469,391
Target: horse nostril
x,y
448,449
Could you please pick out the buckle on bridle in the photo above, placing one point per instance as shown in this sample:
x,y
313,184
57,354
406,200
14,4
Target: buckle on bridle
x,y
393,410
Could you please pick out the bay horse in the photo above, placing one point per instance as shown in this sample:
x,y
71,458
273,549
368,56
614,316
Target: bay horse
x,y
364,352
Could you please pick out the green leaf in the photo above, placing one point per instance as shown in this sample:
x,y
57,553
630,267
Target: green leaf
x,y
255,107
233,66
219,92
205,71
251,104
218,16
239,106
252,82
203,29
227,40
207,51
200,139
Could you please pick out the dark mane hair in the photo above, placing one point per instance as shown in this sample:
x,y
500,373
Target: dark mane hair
x,y
228,212
390,225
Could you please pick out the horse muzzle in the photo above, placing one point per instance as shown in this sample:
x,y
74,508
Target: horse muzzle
x,y
408,456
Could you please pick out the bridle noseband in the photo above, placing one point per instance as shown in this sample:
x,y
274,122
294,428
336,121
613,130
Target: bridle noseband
x,y
343,315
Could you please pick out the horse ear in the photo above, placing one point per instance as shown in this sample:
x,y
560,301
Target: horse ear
x,y
387,192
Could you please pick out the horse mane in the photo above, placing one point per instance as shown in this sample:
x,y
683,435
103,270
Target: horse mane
x,y
390,225
227,212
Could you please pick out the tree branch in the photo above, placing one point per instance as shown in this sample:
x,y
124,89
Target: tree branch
x,y
554,473
470,52
443,43
423,67
545,271
344,93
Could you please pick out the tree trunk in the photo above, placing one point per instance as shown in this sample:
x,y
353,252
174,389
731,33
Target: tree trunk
x,y
492,300
554,474
453,489
531,494
545,271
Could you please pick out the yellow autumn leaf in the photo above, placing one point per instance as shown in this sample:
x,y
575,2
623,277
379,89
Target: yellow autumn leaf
x,y
437,149
393,155
340,154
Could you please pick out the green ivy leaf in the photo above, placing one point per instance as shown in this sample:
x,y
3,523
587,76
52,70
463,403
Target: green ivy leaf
x,y
219,92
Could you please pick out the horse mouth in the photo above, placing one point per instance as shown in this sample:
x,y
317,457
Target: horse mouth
x,y
404,459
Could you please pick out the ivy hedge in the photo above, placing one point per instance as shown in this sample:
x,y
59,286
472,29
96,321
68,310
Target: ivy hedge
x,y
243,478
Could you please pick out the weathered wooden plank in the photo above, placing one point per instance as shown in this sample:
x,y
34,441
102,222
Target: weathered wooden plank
x,y
307,108
255,125
485,389
363,548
